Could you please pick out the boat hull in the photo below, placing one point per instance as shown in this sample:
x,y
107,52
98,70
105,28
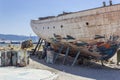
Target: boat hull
x,y
89,26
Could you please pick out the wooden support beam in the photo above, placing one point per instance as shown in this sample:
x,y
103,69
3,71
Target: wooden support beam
x,y
41,41
60,50
66,54
78,53
36,46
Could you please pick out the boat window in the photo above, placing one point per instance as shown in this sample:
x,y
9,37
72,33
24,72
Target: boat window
x,y
54,27
43,27
87,23
61,26
48,27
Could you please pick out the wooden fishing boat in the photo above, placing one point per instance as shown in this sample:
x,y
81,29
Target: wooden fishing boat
x,y
93,32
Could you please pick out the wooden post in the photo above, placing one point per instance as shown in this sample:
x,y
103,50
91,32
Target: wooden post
x,y
36,46
78,53
60,50
41,41
66,54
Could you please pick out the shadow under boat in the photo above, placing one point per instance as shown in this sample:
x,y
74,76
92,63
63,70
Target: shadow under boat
x,y
91,70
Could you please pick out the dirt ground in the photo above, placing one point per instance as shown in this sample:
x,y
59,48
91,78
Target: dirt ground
x,y
91,71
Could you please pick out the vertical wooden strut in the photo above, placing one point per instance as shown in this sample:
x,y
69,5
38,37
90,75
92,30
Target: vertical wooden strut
x,y
60,50
66,54
36,46
78,53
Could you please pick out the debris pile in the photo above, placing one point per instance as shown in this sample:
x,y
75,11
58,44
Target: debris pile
x,y
26,44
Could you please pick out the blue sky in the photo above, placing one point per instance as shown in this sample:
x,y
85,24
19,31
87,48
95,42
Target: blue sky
x,y
15,15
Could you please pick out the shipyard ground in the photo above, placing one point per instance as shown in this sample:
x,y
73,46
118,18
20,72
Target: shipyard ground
x,y
77,72
38,69
58,71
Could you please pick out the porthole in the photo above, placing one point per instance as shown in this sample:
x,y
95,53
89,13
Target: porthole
x,y
61,26
87,23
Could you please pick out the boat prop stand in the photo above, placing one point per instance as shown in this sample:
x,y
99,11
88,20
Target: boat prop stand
x,y
59,51
38,45
66,54
78,53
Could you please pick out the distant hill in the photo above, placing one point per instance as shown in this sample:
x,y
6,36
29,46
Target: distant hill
x,y
17,37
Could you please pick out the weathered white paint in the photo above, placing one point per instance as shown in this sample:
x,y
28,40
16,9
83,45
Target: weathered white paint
x,y
101,21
